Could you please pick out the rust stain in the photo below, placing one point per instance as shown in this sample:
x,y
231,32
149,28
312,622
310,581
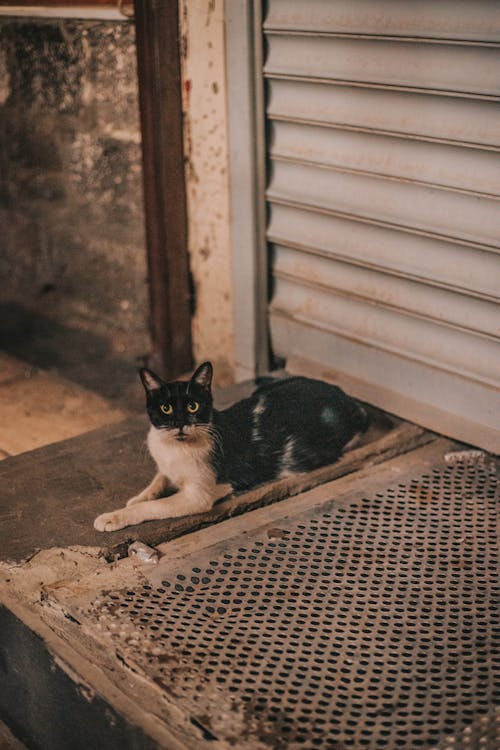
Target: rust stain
x,y
276,533
187,85
190,171
205,249
424,494
210,11
184,45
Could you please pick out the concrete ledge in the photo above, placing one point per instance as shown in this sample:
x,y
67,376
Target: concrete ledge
x,y
51,496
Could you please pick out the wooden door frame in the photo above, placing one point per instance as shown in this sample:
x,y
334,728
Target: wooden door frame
x,y
160,101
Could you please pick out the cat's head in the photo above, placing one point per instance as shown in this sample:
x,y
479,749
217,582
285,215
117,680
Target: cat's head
x,y
182,405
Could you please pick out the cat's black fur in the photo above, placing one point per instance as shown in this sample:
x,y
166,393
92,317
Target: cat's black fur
x,y
202,454
285,426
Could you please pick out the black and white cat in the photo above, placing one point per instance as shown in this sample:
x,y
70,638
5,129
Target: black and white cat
x,y
284,427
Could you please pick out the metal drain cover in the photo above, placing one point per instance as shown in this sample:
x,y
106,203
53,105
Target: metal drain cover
x,y
367,620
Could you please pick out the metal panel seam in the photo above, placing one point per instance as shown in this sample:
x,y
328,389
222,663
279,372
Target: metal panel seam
x,y
339,291
451,41
381,346
382,86
378,222
382,175
309,249
380,131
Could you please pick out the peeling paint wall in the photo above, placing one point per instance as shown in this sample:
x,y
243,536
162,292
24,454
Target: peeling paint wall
x,y
207,181
71,206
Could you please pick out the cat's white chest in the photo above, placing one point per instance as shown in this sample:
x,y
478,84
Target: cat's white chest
x,y
181,461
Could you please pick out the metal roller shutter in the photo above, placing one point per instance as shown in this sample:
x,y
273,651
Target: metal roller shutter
x,y
383,124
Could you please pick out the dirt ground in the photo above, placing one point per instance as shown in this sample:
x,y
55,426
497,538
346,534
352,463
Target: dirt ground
x,y
38,407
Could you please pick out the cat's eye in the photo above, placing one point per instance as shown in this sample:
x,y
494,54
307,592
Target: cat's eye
x,y
167,408
193,407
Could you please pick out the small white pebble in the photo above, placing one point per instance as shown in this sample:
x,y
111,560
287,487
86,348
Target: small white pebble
x,y
143,552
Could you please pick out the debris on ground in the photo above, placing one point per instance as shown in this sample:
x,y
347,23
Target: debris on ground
x,y
143,552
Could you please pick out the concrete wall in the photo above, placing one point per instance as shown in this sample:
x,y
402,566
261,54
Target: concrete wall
x,y
207,180
71,206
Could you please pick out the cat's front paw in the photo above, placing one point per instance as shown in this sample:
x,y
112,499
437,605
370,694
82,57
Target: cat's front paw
x,y
110,521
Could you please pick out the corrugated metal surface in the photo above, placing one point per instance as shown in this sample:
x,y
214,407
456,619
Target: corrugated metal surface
x,y
388,201
380,110
446,19
436,164
384,197
468,69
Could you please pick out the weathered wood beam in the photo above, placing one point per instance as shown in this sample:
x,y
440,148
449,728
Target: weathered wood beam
x,y
159,71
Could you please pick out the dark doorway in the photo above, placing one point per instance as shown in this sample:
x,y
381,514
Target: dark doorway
x,y
84,291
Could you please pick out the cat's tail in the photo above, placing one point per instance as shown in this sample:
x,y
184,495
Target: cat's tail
x,y
364,419
358,418
359,423
265,380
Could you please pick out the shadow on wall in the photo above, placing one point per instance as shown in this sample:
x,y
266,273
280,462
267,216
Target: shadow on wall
x,y
83,356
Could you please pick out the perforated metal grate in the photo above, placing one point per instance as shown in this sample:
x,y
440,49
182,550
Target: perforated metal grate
x,y
370,625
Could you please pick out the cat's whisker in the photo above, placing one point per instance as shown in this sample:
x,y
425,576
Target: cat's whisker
x,y
214,434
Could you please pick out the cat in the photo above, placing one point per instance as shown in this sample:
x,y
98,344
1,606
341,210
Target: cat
x,y
286,426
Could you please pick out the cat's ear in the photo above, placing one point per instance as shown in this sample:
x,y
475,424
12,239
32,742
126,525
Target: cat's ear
x,y
203,375
150,380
